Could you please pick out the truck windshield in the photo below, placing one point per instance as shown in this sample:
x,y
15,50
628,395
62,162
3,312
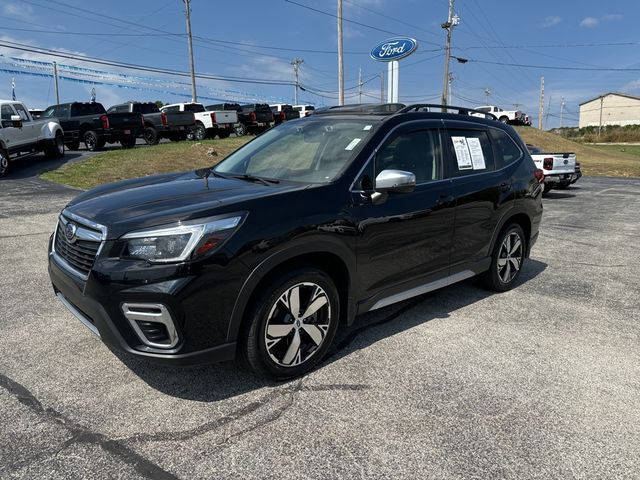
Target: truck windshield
x,y
309,152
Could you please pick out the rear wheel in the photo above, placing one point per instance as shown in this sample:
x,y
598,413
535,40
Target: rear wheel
x,y
291,324
240,130
548,187
222,134
199,132
504,119
91,141
507,259
4,163
563,186
151,136
75,145
57,149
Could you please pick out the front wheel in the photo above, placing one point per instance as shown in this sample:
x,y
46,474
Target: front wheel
x,y
504,119
199,133
507,259
240,130
151,136
57,149
291,324
128,142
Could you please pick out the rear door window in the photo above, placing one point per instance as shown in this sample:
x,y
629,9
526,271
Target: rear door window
x,y
468,152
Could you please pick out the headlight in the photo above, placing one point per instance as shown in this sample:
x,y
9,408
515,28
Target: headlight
x,y
178,243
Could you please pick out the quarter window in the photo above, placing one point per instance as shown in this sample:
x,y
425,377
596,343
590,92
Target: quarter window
x,y
505,148
469,152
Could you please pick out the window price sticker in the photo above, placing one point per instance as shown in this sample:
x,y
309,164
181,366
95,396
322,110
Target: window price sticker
x,y
462,153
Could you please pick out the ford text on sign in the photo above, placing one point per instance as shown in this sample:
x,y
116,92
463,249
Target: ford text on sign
x,y
394,49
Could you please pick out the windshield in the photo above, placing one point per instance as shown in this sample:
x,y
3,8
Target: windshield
x,y
301,151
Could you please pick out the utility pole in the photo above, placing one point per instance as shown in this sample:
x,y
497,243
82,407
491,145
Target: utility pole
x,y
340,62
296,62
55,82
561,110
541,107
487,92
381,87
360,85
451,22
600,124
187,9
546,119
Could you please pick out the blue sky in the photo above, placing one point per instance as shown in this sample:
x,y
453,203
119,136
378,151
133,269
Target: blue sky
x,y
265,35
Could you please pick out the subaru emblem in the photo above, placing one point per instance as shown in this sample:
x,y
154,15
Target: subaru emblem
x,y
70,232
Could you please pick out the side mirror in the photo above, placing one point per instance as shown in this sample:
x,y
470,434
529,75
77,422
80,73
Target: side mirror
x,y
395,181
16,121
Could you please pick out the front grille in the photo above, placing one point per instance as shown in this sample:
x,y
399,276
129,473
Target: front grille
x,y
80,254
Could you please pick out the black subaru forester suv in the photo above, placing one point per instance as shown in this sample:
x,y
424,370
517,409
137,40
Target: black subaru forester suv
x,y
296,233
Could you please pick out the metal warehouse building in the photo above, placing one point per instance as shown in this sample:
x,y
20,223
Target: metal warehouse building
x,y
610,109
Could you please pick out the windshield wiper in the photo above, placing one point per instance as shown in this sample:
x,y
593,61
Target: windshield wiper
x,y
254,179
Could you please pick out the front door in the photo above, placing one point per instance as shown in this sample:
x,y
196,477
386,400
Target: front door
x,y
404,239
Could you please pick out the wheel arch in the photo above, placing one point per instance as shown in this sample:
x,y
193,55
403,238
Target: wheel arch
x,y
519,217
337,265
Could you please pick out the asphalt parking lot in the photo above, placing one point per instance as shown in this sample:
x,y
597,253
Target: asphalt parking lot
x,y
540,382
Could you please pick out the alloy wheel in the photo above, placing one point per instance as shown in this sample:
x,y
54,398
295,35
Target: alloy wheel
x,y
297,324
510,257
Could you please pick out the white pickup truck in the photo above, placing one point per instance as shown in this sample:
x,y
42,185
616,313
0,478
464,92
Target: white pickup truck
x,y
21,135
515,117
208,124
560,169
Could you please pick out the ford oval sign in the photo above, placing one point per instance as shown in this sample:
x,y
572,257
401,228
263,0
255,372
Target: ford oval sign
x,y
394,49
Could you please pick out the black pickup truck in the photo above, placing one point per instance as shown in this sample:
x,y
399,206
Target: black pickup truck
x,y
89,122
157,124
252,118
282,113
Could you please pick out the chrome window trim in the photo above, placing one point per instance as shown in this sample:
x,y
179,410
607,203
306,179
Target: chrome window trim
x,y
375,152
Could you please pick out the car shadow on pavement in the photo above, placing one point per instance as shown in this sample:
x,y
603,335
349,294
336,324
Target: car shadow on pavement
x,y
554,195
211,383
34,165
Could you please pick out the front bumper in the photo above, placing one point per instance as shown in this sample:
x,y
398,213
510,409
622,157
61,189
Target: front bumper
x,y
199,317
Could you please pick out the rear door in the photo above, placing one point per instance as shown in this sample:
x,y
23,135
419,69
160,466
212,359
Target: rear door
x,y
405,240
482,189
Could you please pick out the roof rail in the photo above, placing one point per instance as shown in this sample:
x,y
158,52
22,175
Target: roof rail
x,y
426,107
371,108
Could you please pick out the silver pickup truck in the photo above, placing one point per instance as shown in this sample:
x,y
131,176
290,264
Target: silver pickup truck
x,y
21,135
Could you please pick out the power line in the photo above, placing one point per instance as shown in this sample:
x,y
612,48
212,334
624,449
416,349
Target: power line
x,y
558,67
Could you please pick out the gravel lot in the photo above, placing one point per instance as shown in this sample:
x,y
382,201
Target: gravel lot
x,y
540,382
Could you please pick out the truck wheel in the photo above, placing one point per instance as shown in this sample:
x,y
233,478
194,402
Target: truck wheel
x,y
57,149
75,145
222,134
291,324
199,133
547,187
504,119
91,141
4,163
507,259
128,142
240,130
563,186
151,136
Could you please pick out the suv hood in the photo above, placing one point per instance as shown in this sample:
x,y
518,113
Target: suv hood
x,y
163,199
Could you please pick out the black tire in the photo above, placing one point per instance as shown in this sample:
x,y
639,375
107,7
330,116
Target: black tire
x,y
75,145
222,134
199,132
504,119
5,163
91,141
500,276
563,186
547,187
128,142
269,309
57,149
240,130
151,136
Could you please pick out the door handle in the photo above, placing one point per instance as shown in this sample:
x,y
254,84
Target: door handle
x,y
444,200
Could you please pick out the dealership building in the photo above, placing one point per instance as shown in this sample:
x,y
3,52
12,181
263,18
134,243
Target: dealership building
x,y
610,109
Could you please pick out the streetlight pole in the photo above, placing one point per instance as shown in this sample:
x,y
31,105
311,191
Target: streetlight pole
x,y
296,62
451,22
55,82
187,8
340,60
